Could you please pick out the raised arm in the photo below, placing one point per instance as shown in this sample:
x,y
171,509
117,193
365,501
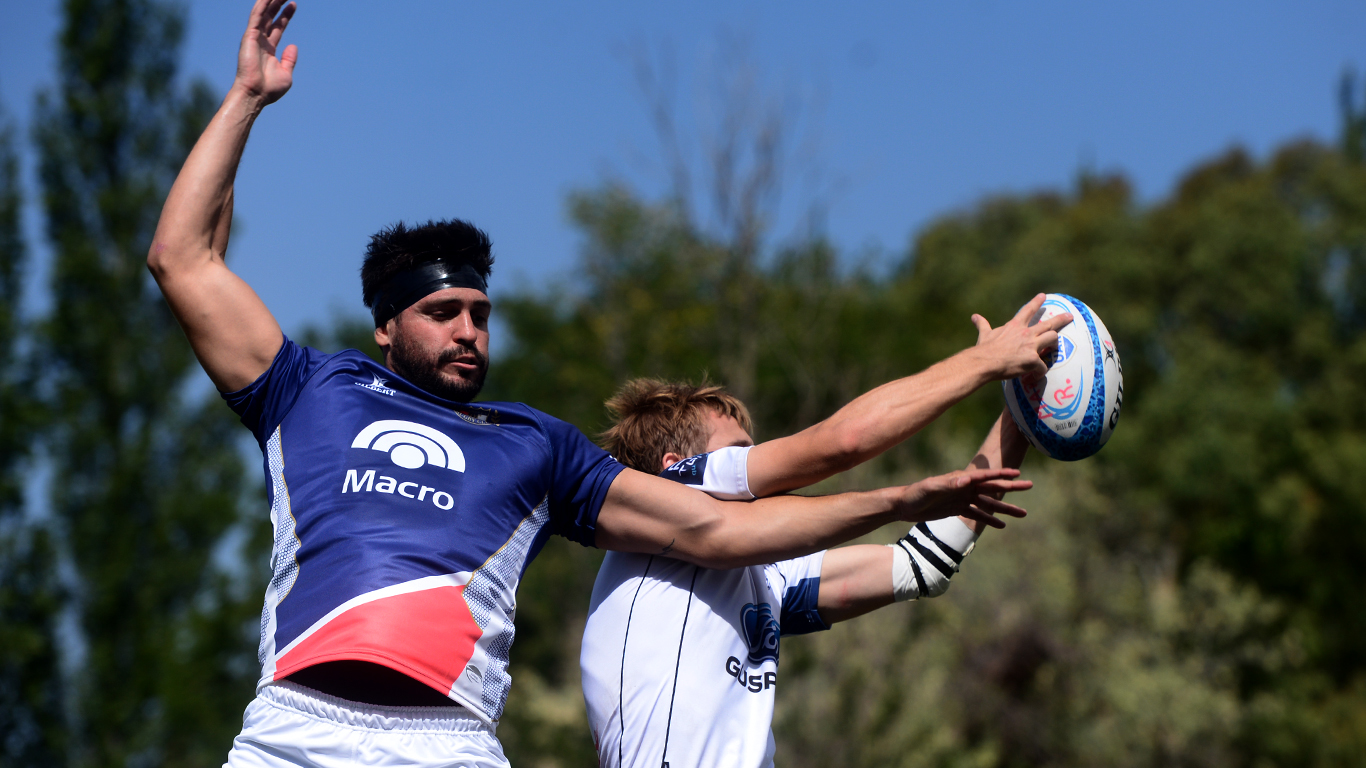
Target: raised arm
x,y
648,514
233,334
859,579
887,415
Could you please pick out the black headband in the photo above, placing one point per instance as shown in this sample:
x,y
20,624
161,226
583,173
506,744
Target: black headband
x,y
406,288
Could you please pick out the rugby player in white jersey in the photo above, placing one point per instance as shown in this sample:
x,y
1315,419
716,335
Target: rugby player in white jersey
x,y
404,516
680,663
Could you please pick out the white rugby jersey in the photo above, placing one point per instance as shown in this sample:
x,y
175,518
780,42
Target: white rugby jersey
x,y
690,654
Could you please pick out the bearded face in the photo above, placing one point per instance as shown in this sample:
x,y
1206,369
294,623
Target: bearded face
x,y
455,373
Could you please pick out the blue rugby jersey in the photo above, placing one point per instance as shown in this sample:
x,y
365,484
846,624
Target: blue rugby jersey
x,y
403,522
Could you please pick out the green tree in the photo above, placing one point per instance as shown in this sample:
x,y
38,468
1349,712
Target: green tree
x,y
657,297
146,477
31,693
1182,598
1235,306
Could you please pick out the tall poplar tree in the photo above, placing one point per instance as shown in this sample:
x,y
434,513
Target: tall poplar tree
x,y
146,478
31,700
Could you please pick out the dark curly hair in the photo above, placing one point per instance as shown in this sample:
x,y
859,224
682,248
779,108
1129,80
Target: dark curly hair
x,y
398,248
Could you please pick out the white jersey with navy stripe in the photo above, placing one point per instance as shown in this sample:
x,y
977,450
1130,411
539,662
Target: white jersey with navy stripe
x,y
680,663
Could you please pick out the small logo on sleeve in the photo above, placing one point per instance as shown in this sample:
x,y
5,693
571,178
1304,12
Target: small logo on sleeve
x,y
688,471
378,386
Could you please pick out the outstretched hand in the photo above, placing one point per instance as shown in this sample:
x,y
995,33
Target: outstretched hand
x,y
1016,348
259,72
967,493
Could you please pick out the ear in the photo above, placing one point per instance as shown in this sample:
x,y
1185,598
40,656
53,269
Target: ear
x,y
671,459
384,340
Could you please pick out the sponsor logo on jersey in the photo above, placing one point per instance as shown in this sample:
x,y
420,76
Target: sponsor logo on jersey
x,y
761,632
688,471
411,445
751,683
356,482
378,386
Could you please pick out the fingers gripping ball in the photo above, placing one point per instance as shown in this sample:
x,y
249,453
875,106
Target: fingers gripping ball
x,y
1070,412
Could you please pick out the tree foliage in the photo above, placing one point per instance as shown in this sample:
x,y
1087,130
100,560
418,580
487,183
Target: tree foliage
x,y
146,482
31,696
1179,599
1187,597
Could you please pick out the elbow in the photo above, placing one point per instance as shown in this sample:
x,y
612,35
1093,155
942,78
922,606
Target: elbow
x,y
156,259
847,446
166,260
710,544
706,550
724,544
936,587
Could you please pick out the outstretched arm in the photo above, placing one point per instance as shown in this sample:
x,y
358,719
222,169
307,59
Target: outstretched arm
x,y
233,334
859,579
648,514
887,415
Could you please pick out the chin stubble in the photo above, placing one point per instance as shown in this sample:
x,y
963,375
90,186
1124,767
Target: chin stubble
x,y
426,371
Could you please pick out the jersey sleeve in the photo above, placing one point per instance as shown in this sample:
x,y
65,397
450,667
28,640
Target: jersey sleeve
x,y
722,473
581,473
799,582
262,404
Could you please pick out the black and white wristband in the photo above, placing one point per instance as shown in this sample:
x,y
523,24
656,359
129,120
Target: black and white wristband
x,y
926,558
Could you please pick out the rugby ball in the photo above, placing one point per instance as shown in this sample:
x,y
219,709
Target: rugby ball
x,y
1070,412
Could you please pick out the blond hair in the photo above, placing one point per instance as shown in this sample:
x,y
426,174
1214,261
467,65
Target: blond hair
x,y
653,417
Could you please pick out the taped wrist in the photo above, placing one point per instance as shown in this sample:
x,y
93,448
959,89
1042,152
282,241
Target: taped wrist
x,y
926,558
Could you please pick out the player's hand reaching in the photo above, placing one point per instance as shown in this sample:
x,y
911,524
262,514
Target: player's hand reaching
x,y
260,74
969,493
1017,348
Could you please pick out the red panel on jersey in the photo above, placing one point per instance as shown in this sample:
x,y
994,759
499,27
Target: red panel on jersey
x,y
428,635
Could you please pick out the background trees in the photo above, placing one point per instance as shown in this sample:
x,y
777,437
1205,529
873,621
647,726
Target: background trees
x,y
145,478
1179,599
31,694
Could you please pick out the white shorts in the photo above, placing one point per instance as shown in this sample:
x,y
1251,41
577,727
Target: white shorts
x,y
290,725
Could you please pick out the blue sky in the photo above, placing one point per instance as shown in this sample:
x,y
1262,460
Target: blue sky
x,y
495,111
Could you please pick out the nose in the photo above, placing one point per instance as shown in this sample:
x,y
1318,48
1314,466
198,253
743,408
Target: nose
x,y
463,330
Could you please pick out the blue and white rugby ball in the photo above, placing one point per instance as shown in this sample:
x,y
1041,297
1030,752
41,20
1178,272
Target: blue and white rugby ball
x,y
1071,412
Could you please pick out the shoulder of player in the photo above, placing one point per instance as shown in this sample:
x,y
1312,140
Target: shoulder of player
x,y
330,361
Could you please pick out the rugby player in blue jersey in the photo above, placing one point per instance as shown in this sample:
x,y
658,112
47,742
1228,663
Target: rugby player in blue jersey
x,y
404,515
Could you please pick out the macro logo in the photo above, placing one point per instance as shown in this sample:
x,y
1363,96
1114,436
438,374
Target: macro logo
x,y
411,445
761,632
